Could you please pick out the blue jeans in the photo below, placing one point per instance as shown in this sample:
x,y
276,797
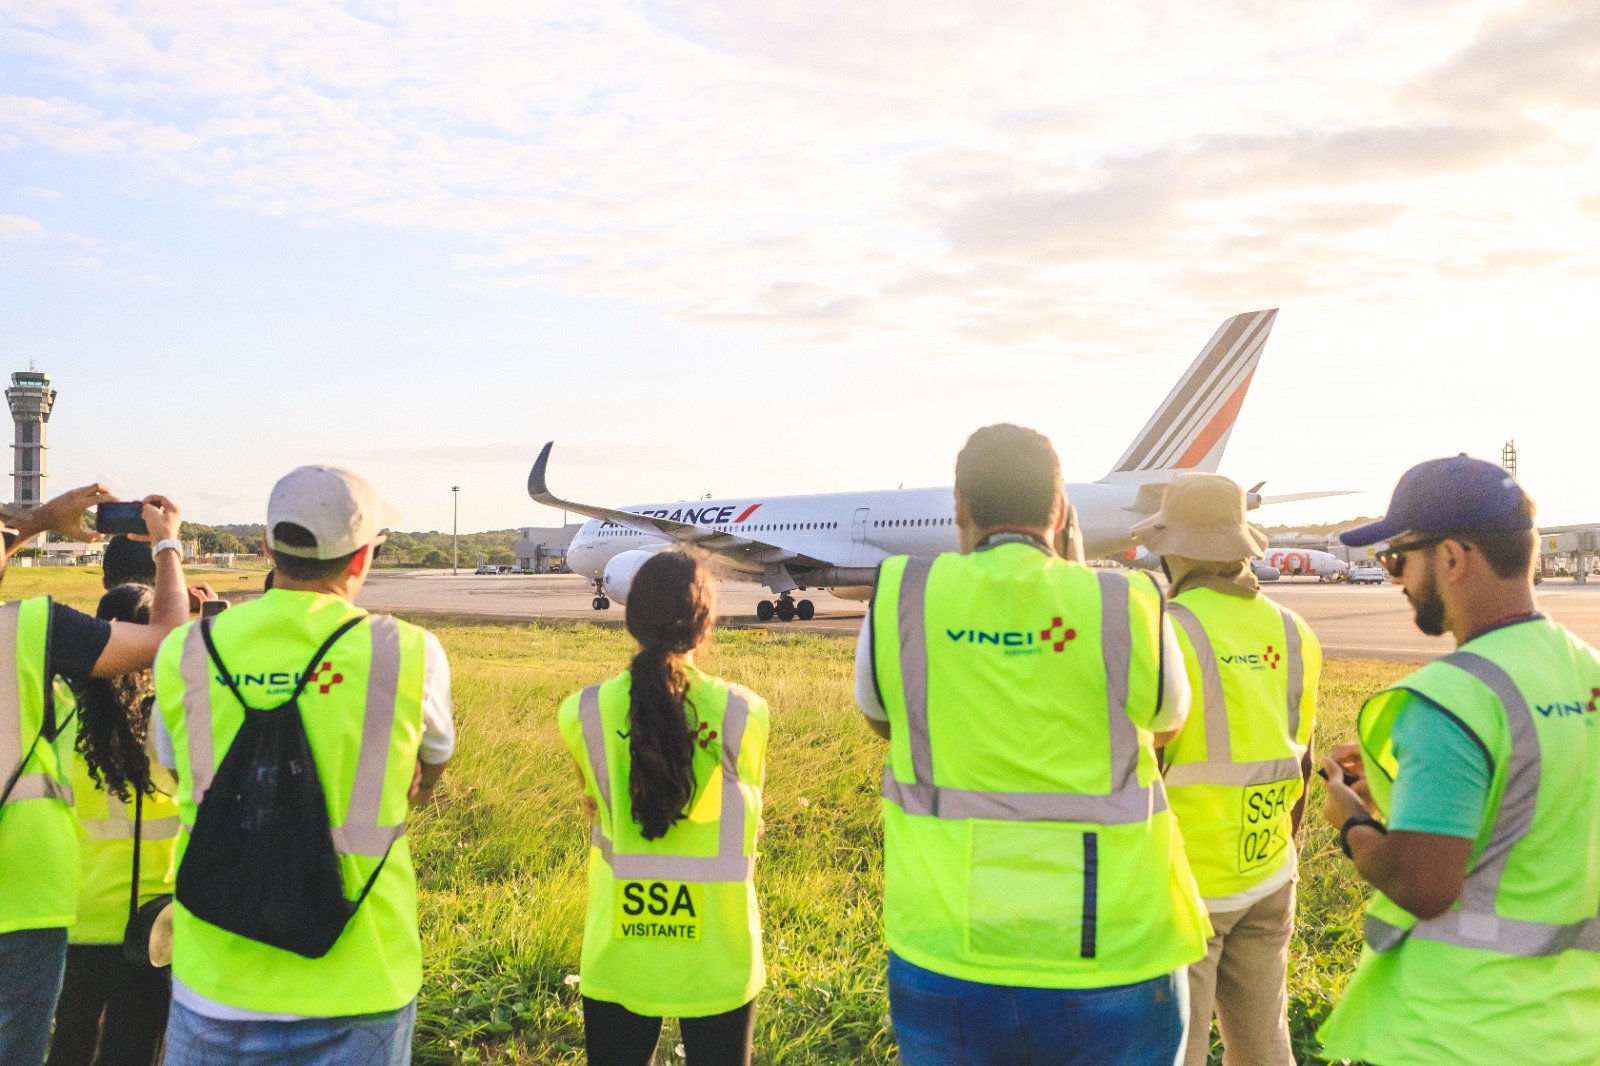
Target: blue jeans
x,y
31,964
357,1040
945,1021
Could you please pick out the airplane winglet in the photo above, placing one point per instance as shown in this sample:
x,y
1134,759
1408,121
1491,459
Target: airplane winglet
x,y
537,488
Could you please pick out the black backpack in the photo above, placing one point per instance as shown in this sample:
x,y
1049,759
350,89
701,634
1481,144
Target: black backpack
x,y
260,861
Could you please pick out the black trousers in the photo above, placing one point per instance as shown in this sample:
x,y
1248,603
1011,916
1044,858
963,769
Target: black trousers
x,y
111,1013
615,1036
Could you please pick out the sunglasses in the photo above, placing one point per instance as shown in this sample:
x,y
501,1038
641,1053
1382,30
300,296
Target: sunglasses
x,y
1393,560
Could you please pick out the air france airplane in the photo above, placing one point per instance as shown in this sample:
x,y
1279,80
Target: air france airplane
x,y
835,541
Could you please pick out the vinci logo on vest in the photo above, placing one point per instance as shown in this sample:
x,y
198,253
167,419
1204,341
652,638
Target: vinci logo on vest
x,y
1267,661
1055,636
1566,709
324,677
659,910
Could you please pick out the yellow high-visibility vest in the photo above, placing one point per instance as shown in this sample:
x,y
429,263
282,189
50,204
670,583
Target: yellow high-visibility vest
x,y
1511,972
1027,838
105,836
363,718
1234,771
673,928
38,843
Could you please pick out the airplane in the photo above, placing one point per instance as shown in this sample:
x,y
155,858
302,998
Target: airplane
x,y
1278,562
835,541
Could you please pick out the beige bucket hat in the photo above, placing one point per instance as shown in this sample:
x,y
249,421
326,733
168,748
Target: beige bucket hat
x,y
1202,516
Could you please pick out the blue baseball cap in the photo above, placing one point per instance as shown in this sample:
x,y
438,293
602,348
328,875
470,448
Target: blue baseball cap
x,y
1455,495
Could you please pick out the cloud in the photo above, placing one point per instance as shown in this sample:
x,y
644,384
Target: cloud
x,y
927,169
16,228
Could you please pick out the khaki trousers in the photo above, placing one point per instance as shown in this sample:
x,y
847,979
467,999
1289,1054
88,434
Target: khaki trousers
x,y
1243,976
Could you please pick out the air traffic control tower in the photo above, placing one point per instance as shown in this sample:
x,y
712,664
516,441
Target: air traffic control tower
x,y
31,399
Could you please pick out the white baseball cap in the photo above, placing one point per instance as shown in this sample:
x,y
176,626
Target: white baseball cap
x,y
338,507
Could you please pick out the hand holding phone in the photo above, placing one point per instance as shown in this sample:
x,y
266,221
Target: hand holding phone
x,y
125,516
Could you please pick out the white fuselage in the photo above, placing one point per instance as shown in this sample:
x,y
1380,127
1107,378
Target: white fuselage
x,y
846,529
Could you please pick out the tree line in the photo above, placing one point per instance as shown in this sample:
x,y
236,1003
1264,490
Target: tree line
x,y
430,549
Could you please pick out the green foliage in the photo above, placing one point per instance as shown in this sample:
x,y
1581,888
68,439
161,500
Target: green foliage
x,y
501,860
430,549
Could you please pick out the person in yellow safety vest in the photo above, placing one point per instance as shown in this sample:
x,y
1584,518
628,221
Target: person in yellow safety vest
x,y
39,641
1037,901
1474,807
113,1012
376,712
1236,773
672,763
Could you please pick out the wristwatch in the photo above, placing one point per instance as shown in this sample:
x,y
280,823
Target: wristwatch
x,y
162,545
1351,823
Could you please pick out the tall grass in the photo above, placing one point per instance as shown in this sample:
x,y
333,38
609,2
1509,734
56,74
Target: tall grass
x,y
501,860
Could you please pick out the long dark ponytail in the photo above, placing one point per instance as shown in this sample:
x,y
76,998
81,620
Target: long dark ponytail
x,y
670,609
114,712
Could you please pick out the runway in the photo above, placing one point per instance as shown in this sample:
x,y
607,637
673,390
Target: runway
x,y
1353,622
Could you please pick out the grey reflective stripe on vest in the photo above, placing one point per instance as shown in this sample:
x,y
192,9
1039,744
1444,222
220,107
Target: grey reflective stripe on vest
x,y
12,748
730,863
1219,768
360,834
118,826
1475,923
1116,647
1294,662
1127,802
195,669
1219,745
39,786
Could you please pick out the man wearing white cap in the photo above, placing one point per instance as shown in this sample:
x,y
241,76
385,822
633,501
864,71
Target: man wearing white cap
x,y
1237,771
373,697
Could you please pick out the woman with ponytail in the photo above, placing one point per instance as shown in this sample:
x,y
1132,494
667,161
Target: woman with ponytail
x,y
672,762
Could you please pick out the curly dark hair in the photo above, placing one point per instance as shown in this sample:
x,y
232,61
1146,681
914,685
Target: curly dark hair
x,y
114,712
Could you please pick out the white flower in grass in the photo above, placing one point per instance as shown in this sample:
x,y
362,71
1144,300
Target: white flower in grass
x,y
571,979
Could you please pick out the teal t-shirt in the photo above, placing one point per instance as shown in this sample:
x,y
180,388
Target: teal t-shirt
x,y
1442,785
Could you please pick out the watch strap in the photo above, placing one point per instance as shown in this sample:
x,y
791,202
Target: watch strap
x,y
1351,823
162,545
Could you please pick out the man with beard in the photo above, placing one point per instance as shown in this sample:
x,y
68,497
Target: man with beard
x,y
1483,933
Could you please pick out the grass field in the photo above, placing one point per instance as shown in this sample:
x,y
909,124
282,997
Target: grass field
x,y
501,860
79,586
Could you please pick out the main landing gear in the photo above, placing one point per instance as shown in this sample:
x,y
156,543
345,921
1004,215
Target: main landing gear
x,y
601,602
786,609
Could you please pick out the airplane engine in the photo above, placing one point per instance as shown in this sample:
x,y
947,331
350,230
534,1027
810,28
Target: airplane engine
x,y
1264,572
620,572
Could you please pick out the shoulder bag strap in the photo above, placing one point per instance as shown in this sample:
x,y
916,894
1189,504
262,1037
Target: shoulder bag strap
x,y
138,826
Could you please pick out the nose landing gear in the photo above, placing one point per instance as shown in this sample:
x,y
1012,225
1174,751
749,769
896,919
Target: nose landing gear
x,y
601,601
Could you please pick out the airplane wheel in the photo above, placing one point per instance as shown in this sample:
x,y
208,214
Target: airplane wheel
x,y
785,610
764,610
595,603
605,604
804,610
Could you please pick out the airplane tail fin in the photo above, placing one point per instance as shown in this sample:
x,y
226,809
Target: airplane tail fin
x,y
1190,429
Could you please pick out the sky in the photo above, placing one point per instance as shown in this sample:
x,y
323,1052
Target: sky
x,y
760,248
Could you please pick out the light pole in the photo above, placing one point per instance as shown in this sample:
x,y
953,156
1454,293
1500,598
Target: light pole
x,y
455,527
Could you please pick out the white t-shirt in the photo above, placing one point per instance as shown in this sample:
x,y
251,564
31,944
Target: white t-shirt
x,y
438,743
1175,694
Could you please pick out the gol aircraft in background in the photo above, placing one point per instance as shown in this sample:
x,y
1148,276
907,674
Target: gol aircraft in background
x,y
835,541
1278,562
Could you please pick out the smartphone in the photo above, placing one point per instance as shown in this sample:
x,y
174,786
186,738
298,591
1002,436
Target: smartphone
x,y
126,517
211,607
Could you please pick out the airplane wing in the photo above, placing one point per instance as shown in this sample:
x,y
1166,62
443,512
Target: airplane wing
x,y
741,552
1294,496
